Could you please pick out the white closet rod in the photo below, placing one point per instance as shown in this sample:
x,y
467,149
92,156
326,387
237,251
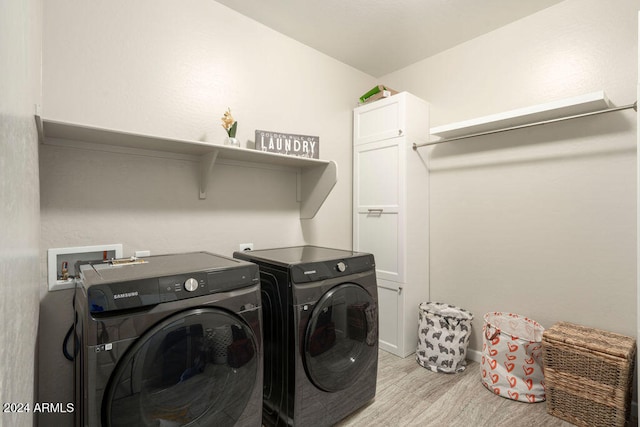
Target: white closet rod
x,y
543,122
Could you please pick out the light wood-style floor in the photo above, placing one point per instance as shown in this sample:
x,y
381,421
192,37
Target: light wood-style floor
x,y
410,395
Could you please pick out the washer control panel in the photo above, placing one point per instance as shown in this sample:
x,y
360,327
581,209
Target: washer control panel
x,y
182,286
191,284
163,279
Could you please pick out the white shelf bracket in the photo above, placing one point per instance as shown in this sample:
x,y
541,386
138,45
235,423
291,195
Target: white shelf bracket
x,y
40,129
206,167
299,186
316,185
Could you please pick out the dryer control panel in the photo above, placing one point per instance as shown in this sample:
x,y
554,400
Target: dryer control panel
x,y
315,271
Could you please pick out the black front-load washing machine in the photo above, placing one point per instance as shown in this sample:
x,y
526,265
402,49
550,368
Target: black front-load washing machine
x,y
169,340
320,311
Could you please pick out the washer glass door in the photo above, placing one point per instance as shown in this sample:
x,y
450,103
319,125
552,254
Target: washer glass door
x,y
198,367
341,337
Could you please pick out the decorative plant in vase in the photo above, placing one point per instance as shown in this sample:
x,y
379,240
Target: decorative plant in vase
x,y
230,125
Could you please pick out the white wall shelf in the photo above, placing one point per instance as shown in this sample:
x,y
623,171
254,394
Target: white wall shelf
x,y
587,103
315,178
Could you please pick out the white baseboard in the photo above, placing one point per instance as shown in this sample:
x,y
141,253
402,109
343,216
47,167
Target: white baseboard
x,y
474,355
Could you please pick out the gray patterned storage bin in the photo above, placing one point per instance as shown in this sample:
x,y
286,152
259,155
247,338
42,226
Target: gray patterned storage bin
x,y
443,335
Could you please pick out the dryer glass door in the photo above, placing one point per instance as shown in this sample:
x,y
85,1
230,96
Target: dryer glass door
x,y
341,337
198,367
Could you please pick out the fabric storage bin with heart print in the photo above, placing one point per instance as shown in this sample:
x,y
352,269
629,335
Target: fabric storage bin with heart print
x,y
512,357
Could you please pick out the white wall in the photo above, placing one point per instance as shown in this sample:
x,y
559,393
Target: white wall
x,y
539,222
162,68
20,89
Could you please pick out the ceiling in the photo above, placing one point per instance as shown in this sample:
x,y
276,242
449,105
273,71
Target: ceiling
x,y
381,36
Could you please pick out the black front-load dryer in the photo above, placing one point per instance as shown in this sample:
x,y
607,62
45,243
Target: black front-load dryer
x,y
170,340
320,310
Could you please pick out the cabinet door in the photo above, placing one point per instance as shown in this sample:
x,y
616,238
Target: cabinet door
x,y
378,196
377,233
382,119
390,306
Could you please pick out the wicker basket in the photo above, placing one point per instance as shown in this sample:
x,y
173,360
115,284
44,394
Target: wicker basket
x,y
588,374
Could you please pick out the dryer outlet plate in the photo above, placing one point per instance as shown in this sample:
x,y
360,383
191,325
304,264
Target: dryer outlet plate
x,y
56,256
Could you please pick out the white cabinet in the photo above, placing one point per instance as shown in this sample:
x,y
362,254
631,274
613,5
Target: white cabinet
x,y
379,120
391,215
377,193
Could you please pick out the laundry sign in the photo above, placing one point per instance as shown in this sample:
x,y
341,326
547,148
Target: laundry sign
x,y
289,144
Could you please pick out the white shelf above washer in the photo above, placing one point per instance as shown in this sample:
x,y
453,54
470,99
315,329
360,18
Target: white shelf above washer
x,y
564,107
315,178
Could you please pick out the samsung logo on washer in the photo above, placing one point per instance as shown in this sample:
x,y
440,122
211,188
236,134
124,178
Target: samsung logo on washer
x,y
126,295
